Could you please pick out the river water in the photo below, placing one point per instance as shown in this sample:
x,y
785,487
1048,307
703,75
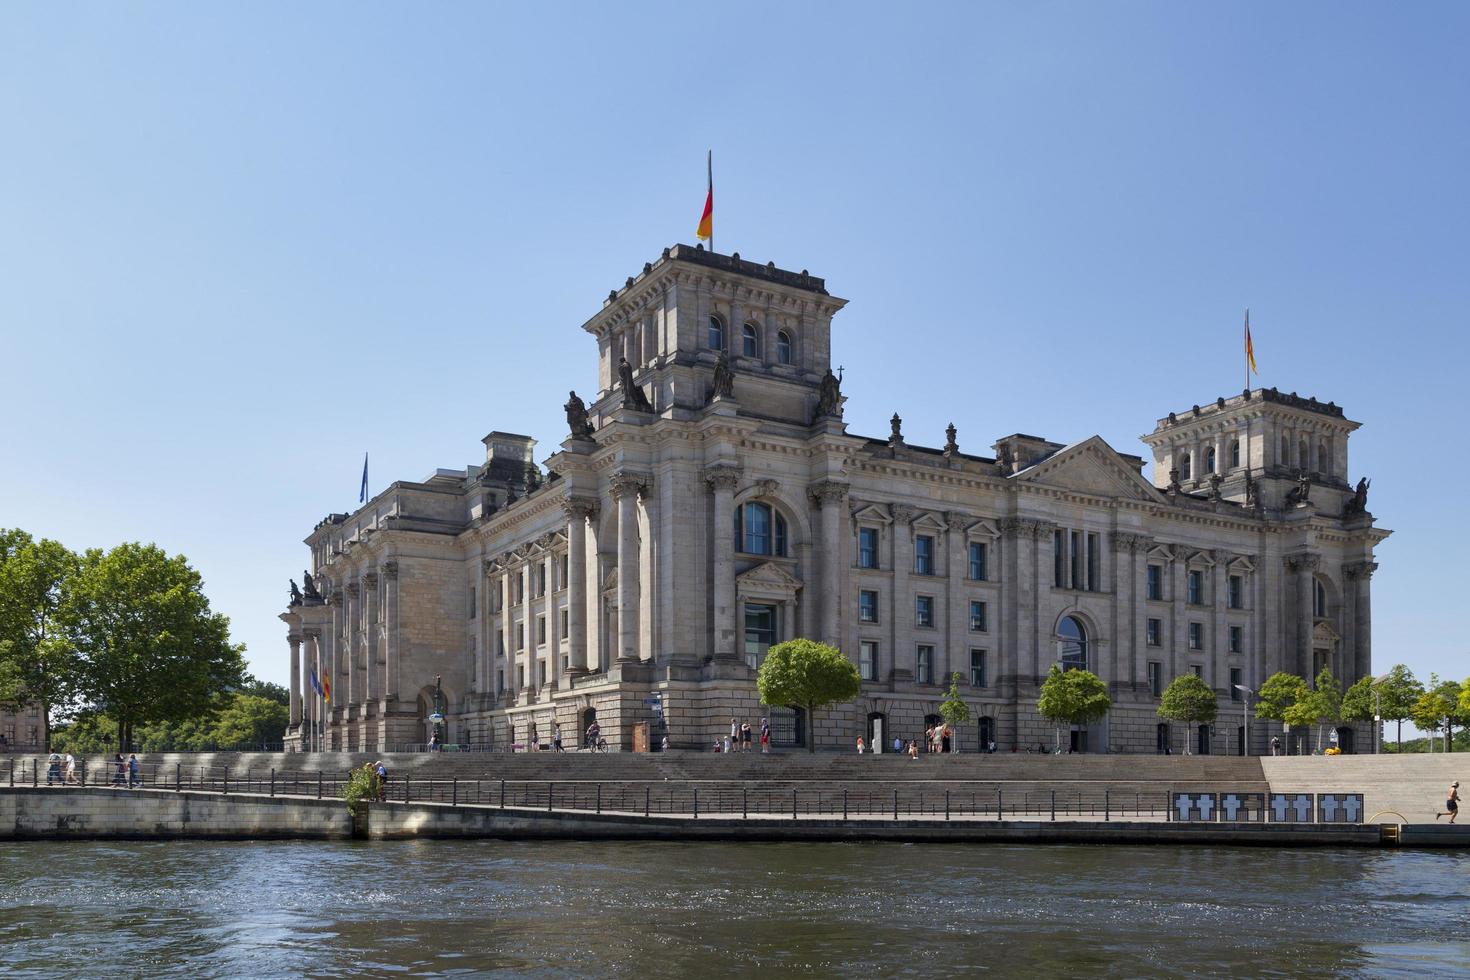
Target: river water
x,y
643,910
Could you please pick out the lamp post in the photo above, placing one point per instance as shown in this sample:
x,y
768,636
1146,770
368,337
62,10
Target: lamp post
x,y
1377,712
438,716
1245,714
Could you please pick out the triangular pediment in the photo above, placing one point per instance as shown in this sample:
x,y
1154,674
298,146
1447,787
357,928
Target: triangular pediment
x,y
767,577
1323,633
983,529
1091,467
929,521
1242,563
873,514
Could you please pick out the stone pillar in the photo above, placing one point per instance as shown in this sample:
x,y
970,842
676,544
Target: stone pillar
x,y
1362,654
351,639
553,645
625,489
390,631
1220,641
312,709
577,512
1043,628
957,607
295,640
507,629
527,654
1305,566
646,578
1178,613
901,612
722,481
830,497
373,678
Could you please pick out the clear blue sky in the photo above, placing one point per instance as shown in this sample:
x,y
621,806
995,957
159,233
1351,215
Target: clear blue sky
x,y
239,246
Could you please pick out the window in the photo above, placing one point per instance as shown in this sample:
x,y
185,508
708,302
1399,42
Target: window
x,y
783,347
716,337
1285,452
1196,587
978,561
868,660
565,624
923,555
867,606
759,530
1235,683
1155,678
1094,562
977,669
564,565
1155,582
924,611
1076,564
520,589
977,617
520,636
1072,637
750,341
1196,636
473,604
925,672
1236,639
541,631
1184,467
1059,559
1210,460
1319,600
1153,629
1235,454
867,547
1322,457
760,632
1303,455
1237,592
1199,671
540,580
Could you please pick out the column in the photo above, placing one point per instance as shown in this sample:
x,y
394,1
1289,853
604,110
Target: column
x,y
625,488
295,640
905,654
957,607
1361,575
372,687
527,654
722,481
1220,649
553,648
390,631
577,512
1045,650
313,707
351,635
829,497
1305,565
507,629
1178,613
646,579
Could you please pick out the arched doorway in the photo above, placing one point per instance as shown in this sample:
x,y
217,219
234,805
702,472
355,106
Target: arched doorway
x,y
931,721
1345,740
1202,740
987,734
589,717
878,737
1072,644
1161,738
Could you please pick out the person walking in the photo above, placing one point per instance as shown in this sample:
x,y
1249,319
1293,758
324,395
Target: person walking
x,y
765,736
745,736
53,768
1451,802
594,736
119,770
534,740
1275,746
860,745
556,738
133,778
897,745
734,736
381,771
71,769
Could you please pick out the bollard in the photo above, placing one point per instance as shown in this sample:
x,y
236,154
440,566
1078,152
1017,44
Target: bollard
x,y
844,803
454,792
1000,808
273,780
178,778
895,804
550,789
502,794
793,804
1053,805
319,783
647,796
744,803
946,804
599,798
1107,806
696,804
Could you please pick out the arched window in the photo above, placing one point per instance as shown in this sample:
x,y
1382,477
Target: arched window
x,y
1319,600
759,530
1322,466
1210,460
1235,454
750,341
1303,456
716,339
783,347
1184,467
1073,637
1285,452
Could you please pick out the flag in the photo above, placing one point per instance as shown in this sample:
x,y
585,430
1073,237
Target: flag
x,y
326,688
315,684
362,495
706,229
1250,351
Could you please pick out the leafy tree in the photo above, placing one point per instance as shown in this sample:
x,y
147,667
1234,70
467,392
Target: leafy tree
x,y
1397,694
1438,709
36,663
151,649
953,709
1072,697
265,689
809,675
1357,702
1277,694
1321,706
250,720
85,733
1188,699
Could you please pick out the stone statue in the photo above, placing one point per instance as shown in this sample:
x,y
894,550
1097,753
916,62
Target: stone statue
x,y
1358,503
1301,493
950,446
724,386
1251,495
895,437
295,593
577,422
1215,481
1003,460
308,585
829,396
633,396
1174,486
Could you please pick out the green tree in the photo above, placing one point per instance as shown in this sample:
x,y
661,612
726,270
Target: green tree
x,y
85,733
249,720
1438,709
1277,694
954,710
265,689
1188,699
1357,702
1072,697
809,675
36,662
151,649
1397,693
1321,706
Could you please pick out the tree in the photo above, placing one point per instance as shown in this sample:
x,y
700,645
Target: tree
x,y
1438,709
1357,701
1321,706
1277,694
36,663
1072,697
1188,699
954,711
269,690
250,720
809,675
151,649
1397,693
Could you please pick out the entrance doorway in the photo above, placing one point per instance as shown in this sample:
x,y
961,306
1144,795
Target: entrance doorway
x,y
987,734
877,731
1202,741
1345,740
1161,738
589,716
1240,740
1079,740
788,727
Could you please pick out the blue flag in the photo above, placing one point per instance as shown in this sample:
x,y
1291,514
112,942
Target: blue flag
x,y
362,497
315,686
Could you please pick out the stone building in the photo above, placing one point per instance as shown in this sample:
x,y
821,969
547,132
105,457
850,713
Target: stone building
x,y
710,502
22,729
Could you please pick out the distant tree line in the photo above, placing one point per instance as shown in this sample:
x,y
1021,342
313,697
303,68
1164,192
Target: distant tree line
x,y
121,646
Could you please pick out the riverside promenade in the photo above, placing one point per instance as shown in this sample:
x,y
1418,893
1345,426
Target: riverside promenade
x,y
1096,799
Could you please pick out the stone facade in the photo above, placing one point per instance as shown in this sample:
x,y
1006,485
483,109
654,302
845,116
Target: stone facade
x,y
710,501
22,729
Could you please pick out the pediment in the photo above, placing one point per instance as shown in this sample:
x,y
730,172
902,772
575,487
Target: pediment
x,y
872,514
1241,563
930,521
1162,552
767,577
1323,633
1201,558
1091,467
983,529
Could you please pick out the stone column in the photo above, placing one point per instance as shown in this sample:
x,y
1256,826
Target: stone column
x,y
646,578
577,512
1305,566
295,640
625,489
527,655
351,637
372,687
1362,654
1043,628
1220,642
957,607
1178,613
722,481
312,709
553,646
390,631
901,613
507,628
830,497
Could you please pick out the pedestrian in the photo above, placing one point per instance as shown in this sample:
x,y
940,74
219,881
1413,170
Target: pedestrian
x,y
745,736
535,742
765,736
53,767
594,736
929,739
727,744
381,771
734,735
913,750
860,745
556,738
946,738
897,745
119,770
434,742
992,748
1275,746
133,778
1451,802
664,746
71,769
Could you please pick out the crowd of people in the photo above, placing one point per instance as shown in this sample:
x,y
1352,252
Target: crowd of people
x,y
937,740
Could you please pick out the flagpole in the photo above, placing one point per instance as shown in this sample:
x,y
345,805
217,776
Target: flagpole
x,y
709,163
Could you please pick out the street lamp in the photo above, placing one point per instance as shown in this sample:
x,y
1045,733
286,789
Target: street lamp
x,y
1377,713
1245,713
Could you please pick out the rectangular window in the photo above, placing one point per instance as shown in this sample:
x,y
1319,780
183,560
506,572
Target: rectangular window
x,y
1198,670
1155,582
868,660
1237,592
925,673
867,547
520,589
867,606
1196,587
1154,631
1094,563
1058,559
977,617
473,604
541,631
565,623
1075,580
1196,636
1236,639
520,636
499,643
540,579
977,669
1235,683
500,681
978,562
923,555
924,611
1155,678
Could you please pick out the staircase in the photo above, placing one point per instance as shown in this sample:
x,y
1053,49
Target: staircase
x,y
1412,786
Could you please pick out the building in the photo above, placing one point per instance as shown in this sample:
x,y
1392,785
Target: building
x,y
22,728
710,502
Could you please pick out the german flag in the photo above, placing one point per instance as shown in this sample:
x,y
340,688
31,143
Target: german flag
x,y
706,229
1250,350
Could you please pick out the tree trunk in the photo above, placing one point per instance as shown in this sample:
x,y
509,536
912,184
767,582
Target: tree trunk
x,y
811,729
1400,723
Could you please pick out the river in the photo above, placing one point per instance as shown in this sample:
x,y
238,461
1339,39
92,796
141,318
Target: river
x,y
704,910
